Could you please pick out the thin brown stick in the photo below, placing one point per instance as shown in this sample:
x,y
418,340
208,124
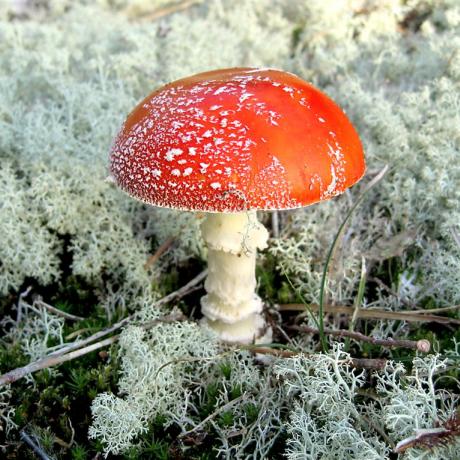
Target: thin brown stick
x,y
184,289
76,333
272,351
171,318
61,442
72,352
367,363
58,358
436,310
164,300
159,252
358,363
81,343
75,349
213,415
390,291
50,361
168,10
419,345
58,312
373,313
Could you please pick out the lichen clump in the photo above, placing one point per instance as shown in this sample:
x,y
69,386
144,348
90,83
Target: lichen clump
x,y
69,74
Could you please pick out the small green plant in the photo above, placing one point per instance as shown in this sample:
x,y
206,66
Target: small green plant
x,y
226,370
79,379
157,449
226,419
79,452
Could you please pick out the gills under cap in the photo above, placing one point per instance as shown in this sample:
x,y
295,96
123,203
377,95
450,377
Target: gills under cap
x,y
234,140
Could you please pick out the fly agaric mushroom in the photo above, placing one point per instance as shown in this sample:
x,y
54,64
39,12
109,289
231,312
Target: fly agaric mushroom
x,y
231,142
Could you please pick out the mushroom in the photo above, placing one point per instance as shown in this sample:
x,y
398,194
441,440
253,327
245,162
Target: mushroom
x,y
228,143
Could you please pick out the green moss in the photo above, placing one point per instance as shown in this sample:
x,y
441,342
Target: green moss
x,y
79,452
78,380
226,369
226,419
251,411
208,406
11,356
157,449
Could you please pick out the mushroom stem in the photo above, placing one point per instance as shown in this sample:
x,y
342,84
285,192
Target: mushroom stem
x,y
231,307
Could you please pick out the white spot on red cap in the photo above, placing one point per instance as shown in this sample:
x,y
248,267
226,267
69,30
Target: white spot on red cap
x,y
220,90
170,154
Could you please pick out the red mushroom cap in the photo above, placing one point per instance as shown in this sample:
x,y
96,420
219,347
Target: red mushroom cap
x,y
234,140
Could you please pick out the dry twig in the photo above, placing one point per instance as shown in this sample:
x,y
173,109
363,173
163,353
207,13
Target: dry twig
x,y
419,345
51,361
184,290
359,363
159,252
430,311
78,348
66,354
390,291
444,433
168,10
373,313
58,312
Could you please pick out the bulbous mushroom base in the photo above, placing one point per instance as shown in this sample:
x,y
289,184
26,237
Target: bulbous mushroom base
x,y
252,329
231,306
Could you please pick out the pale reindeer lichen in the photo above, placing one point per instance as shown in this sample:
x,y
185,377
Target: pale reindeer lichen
x,y
154,369
335,416
6,410
68,77
167,371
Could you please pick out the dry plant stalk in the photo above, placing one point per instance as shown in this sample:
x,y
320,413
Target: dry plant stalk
x,y
374,313
79,348
168,10
58,312
422,345
159,252
447,432
65,355
50,361
39,452
358,363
